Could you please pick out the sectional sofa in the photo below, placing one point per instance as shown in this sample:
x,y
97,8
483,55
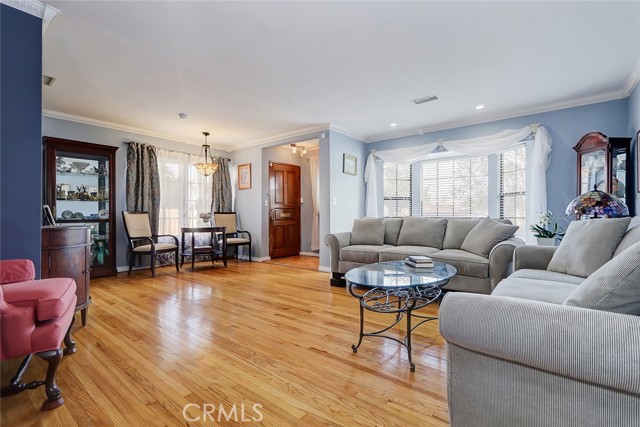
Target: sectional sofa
x,y
480,248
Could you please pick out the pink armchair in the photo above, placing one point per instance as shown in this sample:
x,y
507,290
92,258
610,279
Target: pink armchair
x,y
35,317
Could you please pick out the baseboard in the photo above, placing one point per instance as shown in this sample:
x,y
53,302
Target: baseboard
x,y
260,259
316,254
324,269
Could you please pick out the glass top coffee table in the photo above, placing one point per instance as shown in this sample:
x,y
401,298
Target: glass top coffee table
x,y
395,287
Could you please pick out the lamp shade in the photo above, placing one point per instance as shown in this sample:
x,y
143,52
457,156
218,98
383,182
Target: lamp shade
x,y
596,203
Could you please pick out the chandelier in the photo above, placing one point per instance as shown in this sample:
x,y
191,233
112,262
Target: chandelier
x,y
294,150
208,167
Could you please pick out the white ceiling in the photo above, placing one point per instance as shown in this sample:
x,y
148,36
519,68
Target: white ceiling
x,y
250,71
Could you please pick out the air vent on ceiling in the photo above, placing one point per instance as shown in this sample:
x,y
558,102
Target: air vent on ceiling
x,y
48,80
425,99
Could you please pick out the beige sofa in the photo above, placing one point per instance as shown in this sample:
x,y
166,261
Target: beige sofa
x,y
557,343
481,249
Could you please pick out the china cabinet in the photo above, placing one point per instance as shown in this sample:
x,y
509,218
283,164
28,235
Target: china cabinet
x,y
79,178
607,163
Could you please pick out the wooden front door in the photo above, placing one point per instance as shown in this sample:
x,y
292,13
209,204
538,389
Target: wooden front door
x,y
284,210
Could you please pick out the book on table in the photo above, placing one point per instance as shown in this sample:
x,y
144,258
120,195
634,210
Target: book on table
x,y
419,261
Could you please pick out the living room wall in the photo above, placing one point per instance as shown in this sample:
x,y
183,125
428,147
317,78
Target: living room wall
x,y
20,133
116,138
566,126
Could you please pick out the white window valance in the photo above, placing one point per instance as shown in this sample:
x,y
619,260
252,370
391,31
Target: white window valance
x,y
482,146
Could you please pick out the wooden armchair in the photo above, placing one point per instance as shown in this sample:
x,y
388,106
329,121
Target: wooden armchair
x,y
228,219
143,242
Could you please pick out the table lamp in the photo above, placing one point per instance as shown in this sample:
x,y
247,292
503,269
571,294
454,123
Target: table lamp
x,y
597,204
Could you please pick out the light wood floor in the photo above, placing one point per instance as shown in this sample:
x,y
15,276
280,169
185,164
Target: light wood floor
x,y
298,261
252,333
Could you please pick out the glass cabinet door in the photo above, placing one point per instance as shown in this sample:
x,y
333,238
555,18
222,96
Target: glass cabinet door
x,y
593,171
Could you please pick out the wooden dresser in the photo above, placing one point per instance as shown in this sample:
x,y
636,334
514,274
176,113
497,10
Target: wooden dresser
x,y
66,252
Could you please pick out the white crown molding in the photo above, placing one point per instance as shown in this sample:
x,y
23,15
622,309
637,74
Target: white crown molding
x,y
124,128
32,7
611,96
632,81
346,133
280,137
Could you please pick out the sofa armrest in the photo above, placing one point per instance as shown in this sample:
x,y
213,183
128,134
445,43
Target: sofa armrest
x,y
501,259
16,270
533,257
337,241
592,346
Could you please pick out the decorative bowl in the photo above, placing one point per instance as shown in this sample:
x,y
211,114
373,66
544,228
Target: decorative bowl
x,y
79,166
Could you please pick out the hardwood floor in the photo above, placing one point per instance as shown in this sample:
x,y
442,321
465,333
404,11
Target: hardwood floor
x,y
253,333
298,261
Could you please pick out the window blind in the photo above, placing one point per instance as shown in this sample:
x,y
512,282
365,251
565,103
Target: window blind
x,y
455,187
397,189
513,186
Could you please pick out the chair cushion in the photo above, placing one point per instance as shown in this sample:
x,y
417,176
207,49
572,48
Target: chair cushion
x,y
16,270
485,235
159,247
613,287
367,231
534,289
363,254
237,241
588,245
392,228
468,264
50,297
457,230
552,276
631,236
137,224
422,232
396,253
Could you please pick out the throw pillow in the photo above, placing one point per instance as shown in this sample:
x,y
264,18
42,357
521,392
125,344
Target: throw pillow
x,y
422,232
367,231
613,287
588,245
457,230
484,236
631,236
392,230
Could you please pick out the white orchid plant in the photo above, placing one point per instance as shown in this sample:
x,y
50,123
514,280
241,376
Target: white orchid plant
x,y
548,226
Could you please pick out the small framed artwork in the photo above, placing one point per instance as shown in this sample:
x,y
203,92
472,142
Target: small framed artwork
x,y
244,176
349,164
48,216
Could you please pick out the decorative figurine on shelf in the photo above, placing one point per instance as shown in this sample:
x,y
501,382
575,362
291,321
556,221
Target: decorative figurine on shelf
x,y
83,194
61,194
102,251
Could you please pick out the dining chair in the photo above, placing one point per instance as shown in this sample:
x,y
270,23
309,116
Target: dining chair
x,y
142,242
234,239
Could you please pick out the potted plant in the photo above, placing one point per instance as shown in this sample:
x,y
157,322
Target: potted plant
x,y
547,230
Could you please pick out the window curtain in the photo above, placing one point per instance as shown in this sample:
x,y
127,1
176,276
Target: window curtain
x,y
314,166
482,146
143,181
222,200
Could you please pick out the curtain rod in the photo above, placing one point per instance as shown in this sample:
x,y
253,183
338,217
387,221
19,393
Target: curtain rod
x,y
175,151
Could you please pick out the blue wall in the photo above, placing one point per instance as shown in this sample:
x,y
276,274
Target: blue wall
x,y
20,135
565,126
634,128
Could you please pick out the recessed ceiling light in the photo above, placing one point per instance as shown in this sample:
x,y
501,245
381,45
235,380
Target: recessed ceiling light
x,y
394,125
183,115
479,107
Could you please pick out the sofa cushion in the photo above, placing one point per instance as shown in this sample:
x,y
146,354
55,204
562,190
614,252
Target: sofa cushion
x,y
396,253
422,232
468,264
50,297
392,230
534,289
552,276
485,235
631,236
588,245
16,270
613,287
457,230
364,254
367,231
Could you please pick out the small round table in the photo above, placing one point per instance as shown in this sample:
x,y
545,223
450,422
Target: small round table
x,y
395,287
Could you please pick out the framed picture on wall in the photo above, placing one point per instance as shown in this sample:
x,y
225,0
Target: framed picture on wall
x,y
244,176
349,164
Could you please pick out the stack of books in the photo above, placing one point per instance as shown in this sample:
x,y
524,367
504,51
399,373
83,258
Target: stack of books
x,y
419,261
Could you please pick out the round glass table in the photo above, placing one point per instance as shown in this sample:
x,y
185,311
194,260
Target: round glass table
x,y
395,287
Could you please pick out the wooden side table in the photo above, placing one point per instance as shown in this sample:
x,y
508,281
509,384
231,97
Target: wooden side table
x,y
216,250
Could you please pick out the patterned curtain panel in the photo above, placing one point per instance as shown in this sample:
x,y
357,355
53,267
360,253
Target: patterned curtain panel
x,y
221,187
143,181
